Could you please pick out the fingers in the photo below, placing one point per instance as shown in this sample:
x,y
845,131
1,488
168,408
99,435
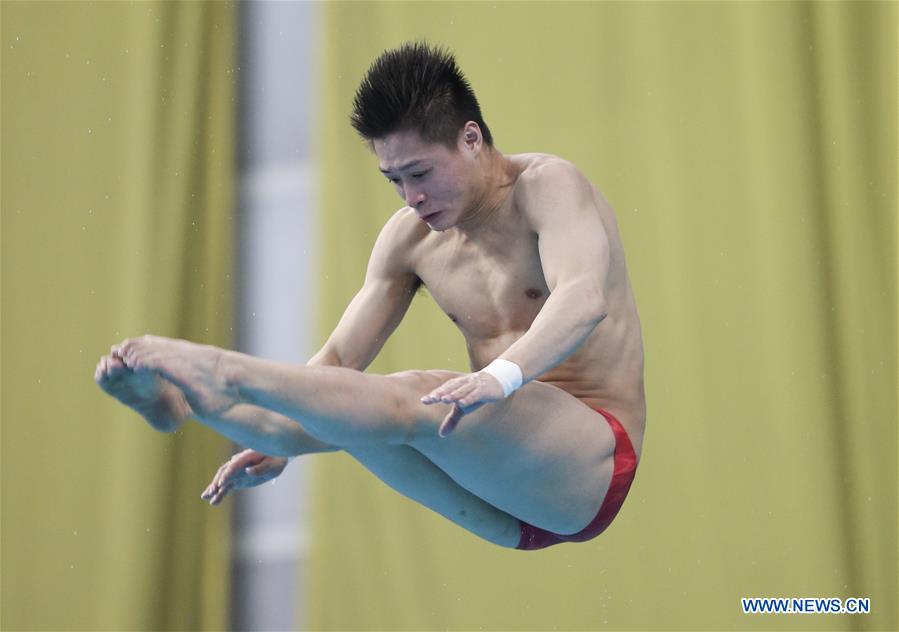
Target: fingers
x,y
223,478
209,492
465,397
216,493
210,489
466,393
216,483
227,474
263,469
249,457
434,396
219,495
451,391
455,416
267,468
244,469
451,421
463,390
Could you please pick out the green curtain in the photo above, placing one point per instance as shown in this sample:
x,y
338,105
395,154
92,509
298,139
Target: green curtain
x,y
117,216
750,152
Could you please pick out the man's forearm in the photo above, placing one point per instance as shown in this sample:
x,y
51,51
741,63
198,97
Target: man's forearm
x,y
567,318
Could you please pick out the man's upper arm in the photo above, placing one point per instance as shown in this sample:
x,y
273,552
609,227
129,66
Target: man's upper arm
x,y
572,241
380,304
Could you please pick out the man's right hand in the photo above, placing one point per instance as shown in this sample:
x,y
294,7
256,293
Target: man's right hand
x,y
245,469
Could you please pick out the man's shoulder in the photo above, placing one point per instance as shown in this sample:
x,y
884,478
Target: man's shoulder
x,y
404,228
395,250
545,179
400,235
547,171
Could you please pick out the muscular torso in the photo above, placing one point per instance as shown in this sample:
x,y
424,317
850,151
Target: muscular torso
x,y
492,288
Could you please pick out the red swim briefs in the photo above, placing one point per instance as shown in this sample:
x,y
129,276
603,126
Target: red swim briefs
x,y
625,467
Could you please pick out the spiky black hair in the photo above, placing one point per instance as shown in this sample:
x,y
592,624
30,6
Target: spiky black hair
x,y
416,87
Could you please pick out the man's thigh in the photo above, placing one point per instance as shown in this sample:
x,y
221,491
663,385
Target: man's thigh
x,y
540,455
409,472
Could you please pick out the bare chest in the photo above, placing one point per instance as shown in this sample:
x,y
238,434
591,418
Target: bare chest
x,y
487,291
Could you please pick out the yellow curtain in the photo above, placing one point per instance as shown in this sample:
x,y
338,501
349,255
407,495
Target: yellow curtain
x,y
750,152
117,214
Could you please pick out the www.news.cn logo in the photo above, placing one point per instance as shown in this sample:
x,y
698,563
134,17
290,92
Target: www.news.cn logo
x,y
805,605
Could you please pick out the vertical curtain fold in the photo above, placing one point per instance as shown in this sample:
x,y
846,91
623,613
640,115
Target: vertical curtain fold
x,y
117,220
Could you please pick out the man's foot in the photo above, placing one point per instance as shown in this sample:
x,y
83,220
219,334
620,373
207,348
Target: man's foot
x,y
198,370
158,401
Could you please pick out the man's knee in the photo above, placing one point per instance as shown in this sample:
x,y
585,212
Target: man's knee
x,y
409,388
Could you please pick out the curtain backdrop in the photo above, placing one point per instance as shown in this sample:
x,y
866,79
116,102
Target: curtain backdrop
x,y
117,151
750,152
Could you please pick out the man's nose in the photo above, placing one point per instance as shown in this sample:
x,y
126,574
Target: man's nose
x,y
414,198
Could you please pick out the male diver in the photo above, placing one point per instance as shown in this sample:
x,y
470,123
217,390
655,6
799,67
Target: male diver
x,y
539,443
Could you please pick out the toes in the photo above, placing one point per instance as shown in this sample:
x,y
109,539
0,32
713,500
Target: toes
x,y
110,365
101,373
138,354
128,348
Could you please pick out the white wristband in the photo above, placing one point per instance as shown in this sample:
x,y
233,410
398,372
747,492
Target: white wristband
x,y
507,373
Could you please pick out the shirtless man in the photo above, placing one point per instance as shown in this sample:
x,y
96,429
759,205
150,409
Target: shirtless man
x,y
540,443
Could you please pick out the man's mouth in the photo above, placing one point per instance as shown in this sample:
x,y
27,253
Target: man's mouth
x,y
428,216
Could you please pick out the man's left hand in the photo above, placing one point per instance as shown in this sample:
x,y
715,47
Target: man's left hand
x,y
466,393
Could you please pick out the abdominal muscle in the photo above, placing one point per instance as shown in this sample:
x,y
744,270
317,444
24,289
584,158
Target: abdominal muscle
x,y
606,372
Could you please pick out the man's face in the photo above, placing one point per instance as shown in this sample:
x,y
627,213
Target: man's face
x,y
430,177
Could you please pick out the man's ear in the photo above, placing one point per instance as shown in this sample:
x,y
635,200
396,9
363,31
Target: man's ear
x,y
472,139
